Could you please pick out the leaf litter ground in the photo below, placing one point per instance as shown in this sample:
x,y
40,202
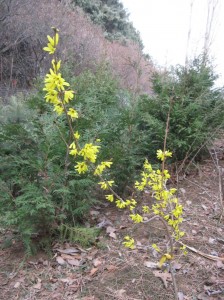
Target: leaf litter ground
x,y
113,272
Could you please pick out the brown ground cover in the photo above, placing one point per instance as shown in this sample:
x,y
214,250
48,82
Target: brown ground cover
x,y
110,271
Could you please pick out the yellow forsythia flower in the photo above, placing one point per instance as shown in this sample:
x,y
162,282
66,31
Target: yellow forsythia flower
x,y
81,167
154,246
163,259
162,155
131,203
68,96
145,209
129,242
56,65
147,166
59,109
106,184
89,152
53,41
136,218
76,135
73,113
54,81
74,150
110,197
120,204
101,167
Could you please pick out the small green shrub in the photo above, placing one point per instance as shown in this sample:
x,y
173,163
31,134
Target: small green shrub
x,y
82,235
106,112
40,187
197,110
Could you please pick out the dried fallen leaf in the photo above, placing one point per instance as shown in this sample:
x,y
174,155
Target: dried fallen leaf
x,y
120,293
183,191
72,256
93,271
69,281
165,276
60,260
202,296
37,286
74,262
68,251
103,223
113,235
56,296
204,207
17,284
94,212
214,253
65,280
33,262
211,240
111,268
46,263
122,227
220,265
151,264
176,266
110,229
180,296
97,262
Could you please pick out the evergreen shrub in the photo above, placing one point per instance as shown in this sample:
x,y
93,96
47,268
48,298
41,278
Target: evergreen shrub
x,y
197,111
40,188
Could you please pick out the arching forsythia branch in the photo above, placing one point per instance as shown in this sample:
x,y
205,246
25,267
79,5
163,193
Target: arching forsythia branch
x,y
167,206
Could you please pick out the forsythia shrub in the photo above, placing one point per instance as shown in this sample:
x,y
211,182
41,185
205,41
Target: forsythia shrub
x,y
167,207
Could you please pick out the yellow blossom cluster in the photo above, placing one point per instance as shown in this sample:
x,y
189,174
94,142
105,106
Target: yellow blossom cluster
x,y
129,242
136,218
55,84
51,46
101,167
105,185
126,203
162,155
59,95
156,180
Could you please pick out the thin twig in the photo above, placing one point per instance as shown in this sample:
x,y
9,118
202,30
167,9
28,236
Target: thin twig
x,y
174,282
166,132
220,176
221,192
208,256
160,218
172,253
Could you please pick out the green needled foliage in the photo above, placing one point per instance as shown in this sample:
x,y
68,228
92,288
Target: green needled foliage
x,y
197,111
40,190
86,237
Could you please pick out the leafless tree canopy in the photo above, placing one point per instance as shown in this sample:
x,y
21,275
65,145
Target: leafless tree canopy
x,y
23,29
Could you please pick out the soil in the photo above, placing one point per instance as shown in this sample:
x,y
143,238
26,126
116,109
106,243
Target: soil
x,y
107,270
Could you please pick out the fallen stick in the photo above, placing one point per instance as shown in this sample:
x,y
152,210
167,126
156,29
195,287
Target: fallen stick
x,y
208,256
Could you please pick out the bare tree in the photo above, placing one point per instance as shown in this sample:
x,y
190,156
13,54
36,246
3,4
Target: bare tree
x,y
210,27
189,33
